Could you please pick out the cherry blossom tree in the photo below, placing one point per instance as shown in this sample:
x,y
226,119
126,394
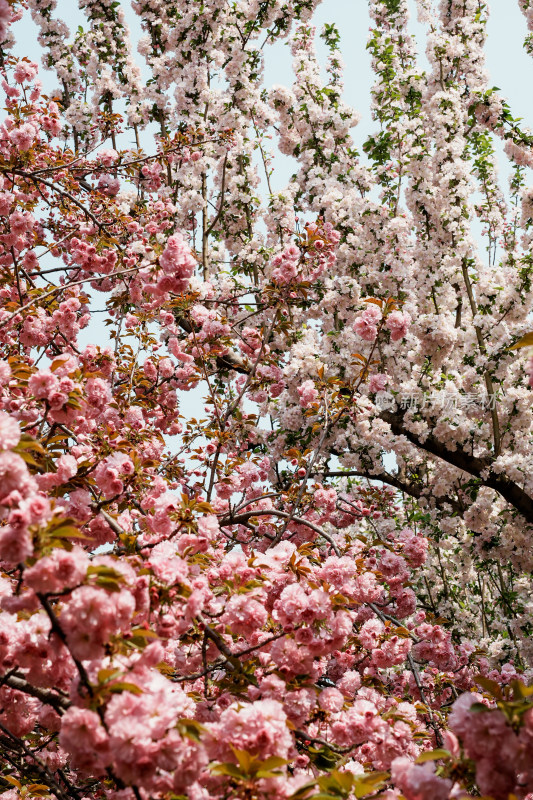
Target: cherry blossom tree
x,y
264,453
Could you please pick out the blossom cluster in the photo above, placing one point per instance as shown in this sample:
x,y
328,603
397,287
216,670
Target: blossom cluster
x,y
229,568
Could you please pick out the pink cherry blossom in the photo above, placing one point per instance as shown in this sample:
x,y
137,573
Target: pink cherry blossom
x,y
25,71
9,432
308,393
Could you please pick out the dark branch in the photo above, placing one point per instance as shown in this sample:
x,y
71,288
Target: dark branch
x,y
478,467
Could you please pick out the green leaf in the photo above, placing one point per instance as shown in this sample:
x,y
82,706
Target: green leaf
x,y
477,708
109,584
68,532
27,442
337,782
303,793
525,341
105,572
105,675
323,757
12,781
432,755
262,773
231,770
29,459
244,758
274,762
369,784
38,789
139,636
106,577
190,729
491,687
124,686
520,690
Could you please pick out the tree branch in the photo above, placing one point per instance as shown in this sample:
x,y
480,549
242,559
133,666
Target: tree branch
x,y
47,696
473,465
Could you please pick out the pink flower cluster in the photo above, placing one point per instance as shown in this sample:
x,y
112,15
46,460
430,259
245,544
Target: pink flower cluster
x,y
503,757
398,324
366,325
308,393
177,263
110,472
221,594
286,265
419,781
